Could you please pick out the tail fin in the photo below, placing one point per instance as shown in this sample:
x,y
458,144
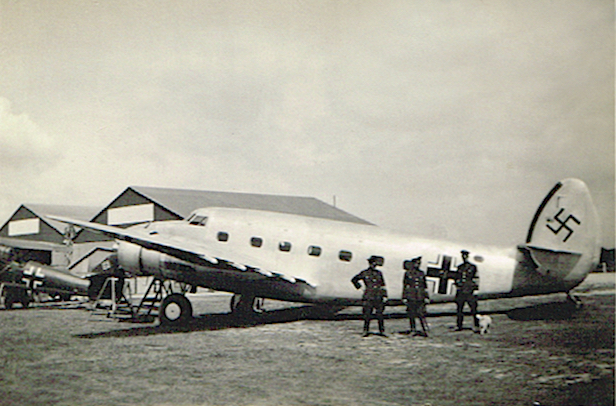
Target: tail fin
x,y
563,240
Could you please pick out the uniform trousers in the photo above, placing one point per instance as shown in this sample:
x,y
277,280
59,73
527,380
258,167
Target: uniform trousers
x,y
461,299
377,306
415,309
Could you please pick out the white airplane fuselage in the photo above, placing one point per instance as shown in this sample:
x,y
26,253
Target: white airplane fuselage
x,y
344,248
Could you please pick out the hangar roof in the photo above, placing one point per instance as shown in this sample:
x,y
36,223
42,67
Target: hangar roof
x,y
183,202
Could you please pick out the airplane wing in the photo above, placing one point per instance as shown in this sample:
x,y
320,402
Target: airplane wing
x,y
30,244
200,253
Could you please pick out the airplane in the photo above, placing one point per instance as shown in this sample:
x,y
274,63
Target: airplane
x,y
21,281
260,254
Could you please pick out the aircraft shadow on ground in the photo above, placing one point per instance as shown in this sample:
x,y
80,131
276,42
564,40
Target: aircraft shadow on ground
x,y
219,321
544,311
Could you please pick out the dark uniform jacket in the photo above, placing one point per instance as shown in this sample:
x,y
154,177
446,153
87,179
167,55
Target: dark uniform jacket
x,y
374,282
467,279
414,285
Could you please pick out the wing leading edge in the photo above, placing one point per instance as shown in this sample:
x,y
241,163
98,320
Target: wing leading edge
x,y
201,254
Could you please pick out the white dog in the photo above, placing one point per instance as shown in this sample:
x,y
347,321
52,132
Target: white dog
x,y
485,322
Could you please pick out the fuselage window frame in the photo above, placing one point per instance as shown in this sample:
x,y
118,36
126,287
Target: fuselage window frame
x,y
222,236
284,246
256,242
345,256
314,251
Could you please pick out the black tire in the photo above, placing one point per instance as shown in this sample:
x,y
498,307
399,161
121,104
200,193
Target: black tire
x,y
175,310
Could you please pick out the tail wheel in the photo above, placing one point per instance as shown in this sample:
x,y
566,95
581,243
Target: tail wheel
x,y
175,310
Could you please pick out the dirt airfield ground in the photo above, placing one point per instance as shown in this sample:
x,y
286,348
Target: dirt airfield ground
x,y
539,352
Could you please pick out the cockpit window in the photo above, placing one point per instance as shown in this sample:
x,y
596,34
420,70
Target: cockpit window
x,y
197,220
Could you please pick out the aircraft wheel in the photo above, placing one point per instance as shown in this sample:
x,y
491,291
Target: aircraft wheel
x,y
175,309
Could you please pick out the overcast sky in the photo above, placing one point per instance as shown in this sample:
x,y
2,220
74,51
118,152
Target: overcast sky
x,y
448,119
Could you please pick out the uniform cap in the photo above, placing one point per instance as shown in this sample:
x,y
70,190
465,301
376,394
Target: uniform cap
x,y
408,264
464,252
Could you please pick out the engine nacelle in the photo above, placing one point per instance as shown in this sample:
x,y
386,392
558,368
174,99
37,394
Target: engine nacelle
x,y
137,260
140,261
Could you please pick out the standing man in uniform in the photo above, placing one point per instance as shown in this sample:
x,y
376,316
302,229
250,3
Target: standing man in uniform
x,y
467,282
374,295
415,294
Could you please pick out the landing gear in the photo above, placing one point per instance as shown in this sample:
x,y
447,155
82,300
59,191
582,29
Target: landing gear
x,y
175,309
161,300
574,300
246,304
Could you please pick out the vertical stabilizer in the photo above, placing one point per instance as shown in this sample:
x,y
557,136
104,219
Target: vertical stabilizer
x,y
563,239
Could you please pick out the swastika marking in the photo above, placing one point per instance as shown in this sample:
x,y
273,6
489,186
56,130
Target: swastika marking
x,y
563,224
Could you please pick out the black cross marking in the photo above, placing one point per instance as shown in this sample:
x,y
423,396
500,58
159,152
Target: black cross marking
x,y
444,272
33,277
563,224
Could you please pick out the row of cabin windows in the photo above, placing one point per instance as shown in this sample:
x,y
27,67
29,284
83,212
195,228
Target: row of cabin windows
x,y
285,246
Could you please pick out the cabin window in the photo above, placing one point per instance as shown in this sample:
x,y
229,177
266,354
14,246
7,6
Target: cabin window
x,y
222,236
314,251
345,256
284,246
256,241
198,220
